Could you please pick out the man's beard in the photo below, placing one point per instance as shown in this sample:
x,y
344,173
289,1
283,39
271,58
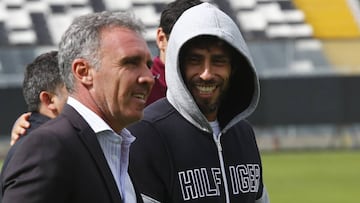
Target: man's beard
x,y
206,107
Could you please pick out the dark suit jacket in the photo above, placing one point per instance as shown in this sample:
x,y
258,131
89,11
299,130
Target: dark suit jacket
x,y
36,119
61,161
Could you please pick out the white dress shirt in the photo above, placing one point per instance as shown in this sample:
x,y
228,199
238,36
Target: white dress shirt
x,y
115,147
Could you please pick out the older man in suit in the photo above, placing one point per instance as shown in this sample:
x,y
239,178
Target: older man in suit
x,y
82,155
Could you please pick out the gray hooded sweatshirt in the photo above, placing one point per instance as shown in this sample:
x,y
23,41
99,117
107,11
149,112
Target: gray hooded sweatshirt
x,y
176,156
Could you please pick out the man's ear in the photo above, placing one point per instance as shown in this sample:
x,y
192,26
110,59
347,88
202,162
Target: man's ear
x,y
161,39
82,71
47,104
46,99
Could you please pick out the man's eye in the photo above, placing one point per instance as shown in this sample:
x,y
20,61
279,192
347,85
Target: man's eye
x,y
131,61
149,64
193,60
221,61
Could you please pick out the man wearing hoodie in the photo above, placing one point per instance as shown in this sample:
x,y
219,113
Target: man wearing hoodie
x,y
195,145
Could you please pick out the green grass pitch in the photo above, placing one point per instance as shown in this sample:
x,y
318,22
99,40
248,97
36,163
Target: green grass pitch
x,y
313,177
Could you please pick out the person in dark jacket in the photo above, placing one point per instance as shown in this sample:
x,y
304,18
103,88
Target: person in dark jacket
x,y
82,154
43,89
44,93
195,145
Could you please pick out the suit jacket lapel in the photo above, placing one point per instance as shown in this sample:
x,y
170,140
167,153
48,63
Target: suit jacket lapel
x,y
88,136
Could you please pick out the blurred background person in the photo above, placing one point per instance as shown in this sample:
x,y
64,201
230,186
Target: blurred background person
x,y
45,95
44,91
169,15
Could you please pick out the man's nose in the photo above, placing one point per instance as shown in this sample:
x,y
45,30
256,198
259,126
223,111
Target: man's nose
x,y
207,72
147,77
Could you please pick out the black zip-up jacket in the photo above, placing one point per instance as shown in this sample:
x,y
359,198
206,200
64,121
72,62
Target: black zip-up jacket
x,y
173,161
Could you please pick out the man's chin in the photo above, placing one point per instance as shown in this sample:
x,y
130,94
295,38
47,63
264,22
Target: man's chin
x,y
208,108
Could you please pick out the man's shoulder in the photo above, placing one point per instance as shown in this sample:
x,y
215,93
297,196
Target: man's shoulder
x,y
64,125
156,115
243,126
158,110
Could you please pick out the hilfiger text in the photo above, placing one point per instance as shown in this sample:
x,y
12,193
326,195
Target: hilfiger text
x,y
206,182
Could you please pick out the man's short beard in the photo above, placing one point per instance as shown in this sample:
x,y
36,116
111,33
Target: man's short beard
x,y
208,108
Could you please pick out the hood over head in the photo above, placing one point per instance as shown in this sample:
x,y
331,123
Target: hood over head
x,y
243,93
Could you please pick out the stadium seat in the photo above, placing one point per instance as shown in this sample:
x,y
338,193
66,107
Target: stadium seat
x,y
117,5
79,2
294,16
58,23
22,37
252,20
271,12
18,19
148,15
14,3
243,5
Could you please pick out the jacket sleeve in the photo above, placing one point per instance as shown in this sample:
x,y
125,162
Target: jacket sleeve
x,y
264,197
34,172
150,163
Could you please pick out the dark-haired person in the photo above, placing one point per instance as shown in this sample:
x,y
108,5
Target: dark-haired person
x,y
44,93
195,145
169,15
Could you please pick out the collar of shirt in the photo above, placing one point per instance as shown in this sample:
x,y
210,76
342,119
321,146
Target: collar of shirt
x,y
115,146
215,127
95,122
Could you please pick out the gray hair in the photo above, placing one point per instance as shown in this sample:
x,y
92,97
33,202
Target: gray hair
x,y
82,39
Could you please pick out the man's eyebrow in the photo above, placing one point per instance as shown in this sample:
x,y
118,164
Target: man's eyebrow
x,y
130,59
221,56
135,59
193,53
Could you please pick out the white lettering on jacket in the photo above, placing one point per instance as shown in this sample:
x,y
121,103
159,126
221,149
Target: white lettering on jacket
x,y
203,182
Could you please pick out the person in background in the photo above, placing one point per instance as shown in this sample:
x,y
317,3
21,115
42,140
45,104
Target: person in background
x,y
43,89
195,145
82,154
44,93
169,15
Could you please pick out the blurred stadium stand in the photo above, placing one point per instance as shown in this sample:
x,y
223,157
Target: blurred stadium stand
x,y
306,53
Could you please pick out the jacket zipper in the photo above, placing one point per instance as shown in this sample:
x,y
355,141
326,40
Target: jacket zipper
x,y
219,147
